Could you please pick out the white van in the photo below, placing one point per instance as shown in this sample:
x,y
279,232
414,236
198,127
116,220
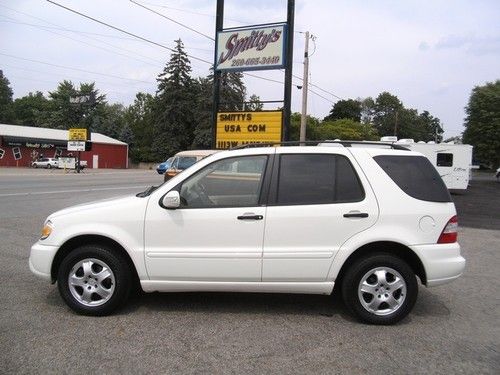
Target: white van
x,y
183,160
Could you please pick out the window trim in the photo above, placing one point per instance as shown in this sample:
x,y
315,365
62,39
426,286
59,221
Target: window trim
x,y
263,188
273,193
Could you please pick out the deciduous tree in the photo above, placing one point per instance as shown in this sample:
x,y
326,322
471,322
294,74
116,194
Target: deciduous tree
x,y
482,124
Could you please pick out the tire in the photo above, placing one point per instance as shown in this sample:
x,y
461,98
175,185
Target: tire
x,y
362,287
94,291
49,166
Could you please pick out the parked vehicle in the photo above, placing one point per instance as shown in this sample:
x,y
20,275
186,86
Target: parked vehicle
x,y
266,219
497,174
452,161
183,160
162,167
45,163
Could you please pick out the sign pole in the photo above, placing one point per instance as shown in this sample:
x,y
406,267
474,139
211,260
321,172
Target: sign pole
x,y
219,23
288,71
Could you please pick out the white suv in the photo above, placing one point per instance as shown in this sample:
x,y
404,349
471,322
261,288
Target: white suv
x,y
268,219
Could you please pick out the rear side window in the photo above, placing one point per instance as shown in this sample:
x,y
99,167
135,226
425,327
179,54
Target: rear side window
x,y
416,176
444,159
317,179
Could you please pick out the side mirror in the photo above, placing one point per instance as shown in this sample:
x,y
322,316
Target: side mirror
x,y
171,200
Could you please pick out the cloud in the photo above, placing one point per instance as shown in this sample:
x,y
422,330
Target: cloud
x,y
478,46
423,46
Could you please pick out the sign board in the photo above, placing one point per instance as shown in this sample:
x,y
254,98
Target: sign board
x,y
239,128
252,48
76,145
77,135
66,163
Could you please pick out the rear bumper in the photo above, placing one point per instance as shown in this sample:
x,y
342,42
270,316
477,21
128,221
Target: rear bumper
x,y
442,262
40,261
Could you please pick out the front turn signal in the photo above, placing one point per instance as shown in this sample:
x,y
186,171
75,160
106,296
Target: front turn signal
x,y
46,230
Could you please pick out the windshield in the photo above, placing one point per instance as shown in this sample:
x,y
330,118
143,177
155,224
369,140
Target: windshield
x,y
186,161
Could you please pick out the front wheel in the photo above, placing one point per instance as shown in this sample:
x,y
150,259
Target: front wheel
x,y
380,289
94,280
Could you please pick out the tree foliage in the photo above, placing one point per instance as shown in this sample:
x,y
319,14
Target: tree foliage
x,y
179,116
345,109
482,123
6,94
174,120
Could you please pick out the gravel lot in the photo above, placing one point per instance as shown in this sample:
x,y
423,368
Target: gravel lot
x,y
453,328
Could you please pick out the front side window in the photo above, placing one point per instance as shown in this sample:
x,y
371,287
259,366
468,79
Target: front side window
x,y
317,179
232,182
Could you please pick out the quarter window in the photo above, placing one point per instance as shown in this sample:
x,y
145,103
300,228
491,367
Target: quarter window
x,y
232,182
317,179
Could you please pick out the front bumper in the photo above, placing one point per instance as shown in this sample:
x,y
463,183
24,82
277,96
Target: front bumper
x,y
41,258
442,262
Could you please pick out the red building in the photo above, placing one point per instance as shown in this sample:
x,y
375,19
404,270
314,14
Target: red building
x,y
21,145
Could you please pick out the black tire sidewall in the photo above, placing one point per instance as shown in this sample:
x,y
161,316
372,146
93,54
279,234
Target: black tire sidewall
x,y
359,268
120,270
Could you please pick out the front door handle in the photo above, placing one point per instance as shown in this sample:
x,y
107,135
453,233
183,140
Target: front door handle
x,y
250,217
356,214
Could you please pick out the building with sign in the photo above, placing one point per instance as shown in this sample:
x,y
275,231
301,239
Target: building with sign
x,y
21,145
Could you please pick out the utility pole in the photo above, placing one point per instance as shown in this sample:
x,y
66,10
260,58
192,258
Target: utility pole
x,y
219,22
287,96
303,118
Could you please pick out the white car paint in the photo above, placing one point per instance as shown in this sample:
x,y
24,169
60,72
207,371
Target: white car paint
x,y
295,249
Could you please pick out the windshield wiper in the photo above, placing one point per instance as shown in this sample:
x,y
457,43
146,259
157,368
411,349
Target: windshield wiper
x,y
146,192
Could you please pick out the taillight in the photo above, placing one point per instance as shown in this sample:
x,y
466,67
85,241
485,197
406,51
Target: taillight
x,y
450,231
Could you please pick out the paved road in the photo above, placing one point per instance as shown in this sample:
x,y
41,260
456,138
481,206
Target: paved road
x,y
453,328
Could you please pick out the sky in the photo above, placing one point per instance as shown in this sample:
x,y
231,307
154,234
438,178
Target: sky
x,y
431,54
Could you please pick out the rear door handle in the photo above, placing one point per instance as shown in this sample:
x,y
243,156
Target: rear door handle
x,y
250,217
356,214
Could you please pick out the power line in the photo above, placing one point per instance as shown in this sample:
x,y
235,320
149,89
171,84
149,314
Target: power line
x,y
124,31
70,68
43,27
59,75
172,20
11,20
165,47
95,46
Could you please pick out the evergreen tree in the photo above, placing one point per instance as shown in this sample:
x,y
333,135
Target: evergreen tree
x,y
174,120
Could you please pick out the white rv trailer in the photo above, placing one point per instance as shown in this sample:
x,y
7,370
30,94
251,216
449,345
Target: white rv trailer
x,y
452,161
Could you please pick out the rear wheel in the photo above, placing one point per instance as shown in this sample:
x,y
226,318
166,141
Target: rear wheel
x,y
93,280
380,289
49,166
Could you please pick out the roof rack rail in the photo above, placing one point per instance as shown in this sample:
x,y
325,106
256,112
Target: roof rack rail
x,y
323,142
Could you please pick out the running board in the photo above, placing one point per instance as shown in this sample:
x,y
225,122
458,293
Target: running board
x,y
231,286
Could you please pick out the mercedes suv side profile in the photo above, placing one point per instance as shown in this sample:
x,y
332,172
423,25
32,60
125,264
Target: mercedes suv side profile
x,y
373,221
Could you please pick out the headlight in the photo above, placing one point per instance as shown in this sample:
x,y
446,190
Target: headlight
x,y
46,230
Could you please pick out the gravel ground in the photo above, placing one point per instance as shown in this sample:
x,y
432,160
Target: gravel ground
x,y
452,329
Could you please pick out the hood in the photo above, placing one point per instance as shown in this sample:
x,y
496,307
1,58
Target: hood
x,y
104,203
